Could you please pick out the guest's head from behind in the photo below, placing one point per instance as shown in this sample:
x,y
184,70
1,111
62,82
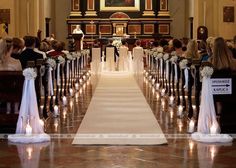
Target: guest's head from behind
x,y
110,41
44,47
29,41
18,45
123,42
222,57
6,47
54,44
155,43
37,42
202,46
177,44
192,50
59,46
138,43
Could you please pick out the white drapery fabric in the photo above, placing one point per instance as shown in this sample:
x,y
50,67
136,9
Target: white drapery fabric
x,y
138,60
28,114
110,63
123,59
96,61
207,114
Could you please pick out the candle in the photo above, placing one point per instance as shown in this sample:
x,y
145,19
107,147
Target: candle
x,y
191,8
191,145
76,86
171,113
146,74
84,86
41,109
163,92
180,125
64,114
64,100
88,74
213,152
81,91
56,124
157,86
158,96
163,103
153,90
180,110
84,77
81,81
191,126
71,104
29,151
100,35
213,129
172,100
71,92
54,98
56,113
28,129
153,81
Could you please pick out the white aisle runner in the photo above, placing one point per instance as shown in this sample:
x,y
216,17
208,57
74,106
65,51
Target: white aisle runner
x,y
119,115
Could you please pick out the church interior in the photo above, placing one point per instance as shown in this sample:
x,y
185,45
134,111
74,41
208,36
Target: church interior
x,y
117,83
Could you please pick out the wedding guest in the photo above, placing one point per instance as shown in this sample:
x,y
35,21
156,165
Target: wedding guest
x,y
177,44
157,47
58,50
192,50
234,47
202,46
18,47
37,46
123,59
29,54
111,45
138,55
44,47
222,58
210,44
52,45
7,63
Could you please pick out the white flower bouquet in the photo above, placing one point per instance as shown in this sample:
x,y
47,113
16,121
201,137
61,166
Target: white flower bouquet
x,y
29,73
207,71
174,59
166,56
69,56
183,64
61,59
51,62
117,43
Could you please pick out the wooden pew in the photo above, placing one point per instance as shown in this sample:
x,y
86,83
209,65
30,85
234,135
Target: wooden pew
x,y
225,104
10,91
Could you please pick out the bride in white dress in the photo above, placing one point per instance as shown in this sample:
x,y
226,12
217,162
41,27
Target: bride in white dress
x,y
123,59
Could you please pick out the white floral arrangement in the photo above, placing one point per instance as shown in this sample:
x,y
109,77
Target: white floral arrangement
x,y
29,73
88,52
183,64
207,71
159,56
69,56
174,59
117,43
173,53
51,62
160,49
166,56
61,59
78,54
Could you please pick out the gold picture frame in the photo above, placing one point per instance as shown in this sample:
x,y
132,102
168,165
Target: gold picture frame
x,y
135,6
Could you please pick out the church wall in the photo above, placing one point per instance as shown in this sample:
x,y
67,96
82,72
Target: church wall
x,y
214,18
62,10
179,17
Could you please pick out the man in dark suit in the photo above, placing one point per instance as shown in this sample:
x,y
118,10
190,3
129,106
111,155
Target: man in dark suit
x,y
29,54
115,49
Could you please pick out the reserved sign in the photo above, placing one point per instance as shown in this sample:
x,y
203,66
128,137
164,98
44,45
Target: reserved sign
x,y
221,86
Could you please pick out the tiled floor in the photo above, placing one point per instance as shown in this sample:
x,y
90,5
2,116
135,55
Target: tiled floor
x,y
180,151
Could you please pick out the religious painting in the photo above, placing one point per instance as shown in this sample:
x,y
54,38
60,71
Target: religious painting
x,y
5,16
228,14
120,5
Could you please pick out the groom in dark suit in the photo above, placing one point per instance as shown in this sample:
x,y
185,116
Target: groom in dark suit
x,y
116,53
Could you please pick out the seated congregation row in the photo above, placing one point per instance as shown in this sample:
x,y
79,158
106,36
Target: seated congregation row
x,y
57,70
15,52
179,73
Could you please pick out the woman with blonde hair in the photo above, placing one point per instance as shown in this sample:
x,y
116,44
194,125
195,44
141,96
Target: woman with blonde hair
x,y
222,58
7,63
192,50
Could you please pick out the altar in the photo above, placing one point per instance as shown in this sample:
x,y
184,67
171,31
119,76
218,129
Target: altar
x,y
134,19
